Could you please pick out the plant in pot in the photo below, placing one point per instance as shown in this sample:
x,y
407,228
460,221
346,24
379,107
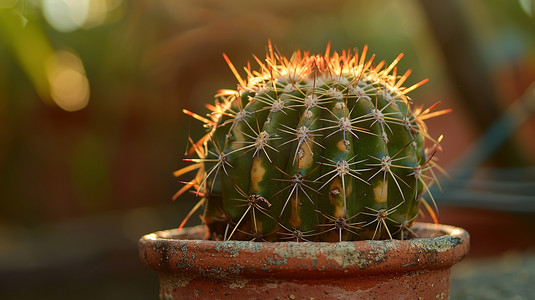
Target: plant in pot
x,y
311,175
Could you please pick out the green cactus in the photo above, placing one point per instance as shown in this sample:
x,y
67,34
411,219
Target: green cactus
x,y
314,148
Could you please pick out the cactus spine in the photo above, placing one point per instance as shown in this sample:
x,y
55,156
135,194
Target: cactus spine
x,y
315,147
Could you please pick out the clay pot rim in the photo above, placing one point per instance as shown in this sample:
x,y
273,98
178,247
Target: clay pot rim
x,y
170,251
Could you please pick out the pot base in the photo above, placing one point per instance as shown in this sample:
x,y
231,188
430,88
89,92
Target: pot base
x,y
413,285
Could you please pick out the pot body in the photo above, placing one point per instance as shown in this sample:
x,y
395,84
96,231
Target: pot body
x,y
193,268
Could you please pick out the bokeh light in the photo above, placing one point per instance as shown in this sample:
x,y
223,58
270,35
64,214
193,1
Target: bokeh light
x,y
66,15
69,87
70,15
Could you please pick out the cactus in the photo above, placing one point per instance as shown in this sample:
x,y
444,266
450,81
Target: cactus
x,y
314,148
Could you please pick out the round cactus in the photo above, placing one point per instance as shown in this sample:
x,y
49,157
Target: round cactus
x,y
314,148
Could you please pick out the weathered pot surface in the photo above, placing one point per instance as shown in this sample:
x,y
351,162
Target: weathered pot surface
x,y
192,268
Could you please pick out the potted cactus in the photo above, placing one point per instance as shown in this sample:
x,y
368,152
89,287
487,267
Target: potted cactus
x,y
311,175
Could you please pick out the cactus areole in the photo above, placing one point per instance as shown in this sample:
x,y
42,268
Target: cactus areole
x,y
314,148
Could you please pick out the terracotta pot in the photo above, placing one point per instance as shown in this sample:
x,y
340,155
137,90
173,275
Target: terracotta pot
x,y
419,268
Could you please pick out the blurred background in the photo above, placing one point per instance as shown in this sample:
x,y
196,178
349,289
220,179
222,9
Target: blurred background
x,y
91,124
